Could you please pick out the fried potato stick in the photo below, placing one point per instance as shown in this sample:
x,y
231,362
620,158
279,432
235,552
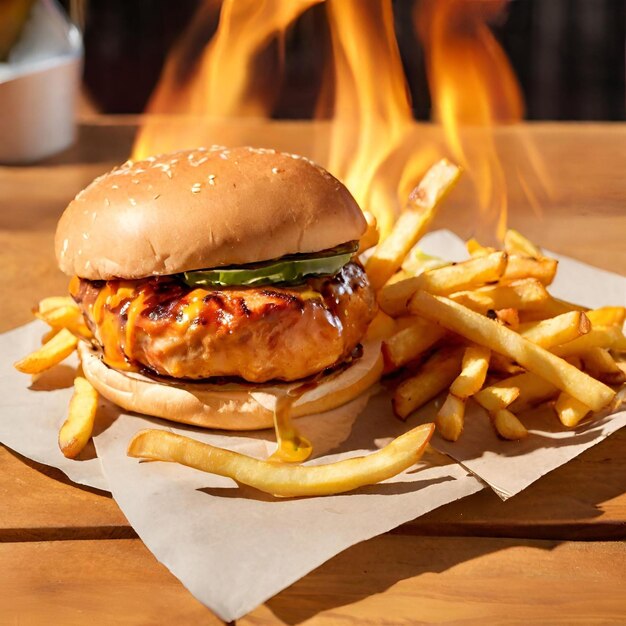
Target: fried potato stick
x,y
413,222
280,479
51,353
486,332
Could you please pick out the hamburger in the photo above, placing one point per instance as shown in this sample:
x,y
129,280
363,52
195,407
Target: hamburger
x,y
214,279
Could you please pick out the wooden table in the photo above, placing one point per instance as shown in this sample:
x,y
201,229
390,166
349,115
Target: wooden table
x,y
554,553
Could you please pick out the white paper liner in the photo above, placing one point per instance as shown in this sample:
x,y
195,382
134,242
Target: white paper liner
x,y
234,548
31,414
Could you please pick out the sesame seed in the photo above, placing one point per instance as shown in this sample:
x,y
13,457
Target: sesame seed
x,y
115,187
211,178
196,188
133,201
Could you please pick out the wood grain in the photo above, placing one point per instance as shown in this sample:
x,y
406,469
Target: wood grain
x,y
41,503
92,582
386,580
406,580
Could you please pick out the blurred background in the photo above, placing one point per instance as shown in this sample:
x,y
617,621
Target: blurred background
x,y
567,54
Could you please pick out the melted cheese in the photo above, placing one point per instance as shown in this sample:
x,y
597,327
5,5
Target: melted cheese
x,y
117,339
292,446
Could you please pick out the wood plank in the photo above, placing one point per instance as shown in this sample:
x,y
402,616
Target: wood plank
x,y
41,503
388,579
92,582
585,499
402,580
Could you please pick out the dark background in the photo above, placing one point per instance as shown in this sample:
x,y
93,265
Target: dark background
x,y
568,54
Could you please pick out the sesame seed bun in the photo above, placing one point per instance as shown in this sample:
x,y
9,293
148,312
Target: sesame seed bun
x,y
203,208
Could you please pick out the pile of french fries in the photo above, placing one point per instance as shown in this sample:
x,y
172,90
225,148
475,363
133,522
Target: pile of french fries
x,y
486,329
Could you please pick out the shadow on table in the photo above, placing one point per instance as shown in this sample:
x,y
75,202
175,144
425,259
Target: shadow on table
x,y
377,565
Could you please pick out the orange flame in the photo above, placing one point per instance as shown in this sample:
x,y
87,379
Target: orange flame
x,y
224,83
371,106
472,84
371,142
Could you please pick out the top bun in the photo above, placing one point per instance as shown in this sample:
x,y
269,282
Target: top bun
x,y
203,208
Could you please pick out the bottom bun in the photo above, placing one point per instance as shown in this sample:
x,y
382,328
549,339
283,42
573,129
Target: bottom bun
x,y
228,406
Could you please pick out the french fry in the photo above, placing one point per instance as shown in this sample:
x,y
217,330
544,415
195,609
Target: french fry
x,y
516,243
533,390
601,365
556,330
417,261
569,410
398,276
494,398
55,302
542,269
608,316
473,372
518,392
370,238
508,317
504,365
66,316
476,249
51,353
551,308
483,331
508,426
443,280
50,334
450,418
575,360
522,294
433,377
78,427
280,479
610,337
381,327
410,342
412,223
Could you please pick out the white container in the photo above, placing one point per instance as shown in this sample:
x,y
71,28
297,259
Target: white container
x,y
39,87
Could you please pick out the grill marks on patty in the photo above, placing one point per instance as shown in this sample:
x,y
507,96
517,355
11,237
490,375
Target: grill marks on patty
x,y
258,334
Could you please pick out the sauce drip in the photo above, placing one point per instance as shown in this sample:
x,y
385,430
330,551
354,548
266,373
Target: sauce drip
x,y
292,446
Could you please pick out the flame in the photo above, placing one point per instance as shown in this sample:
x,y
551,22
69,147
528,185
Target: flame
x,y
370,141
371,110
224,84
472,84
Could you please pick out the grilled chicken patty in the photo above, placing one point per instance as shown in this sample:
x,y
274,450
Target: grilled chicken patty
x,y
258,334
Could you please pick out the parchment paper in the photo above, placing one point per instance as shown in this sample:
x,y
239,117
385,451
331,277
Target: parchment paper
x,y
32,413
234,547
